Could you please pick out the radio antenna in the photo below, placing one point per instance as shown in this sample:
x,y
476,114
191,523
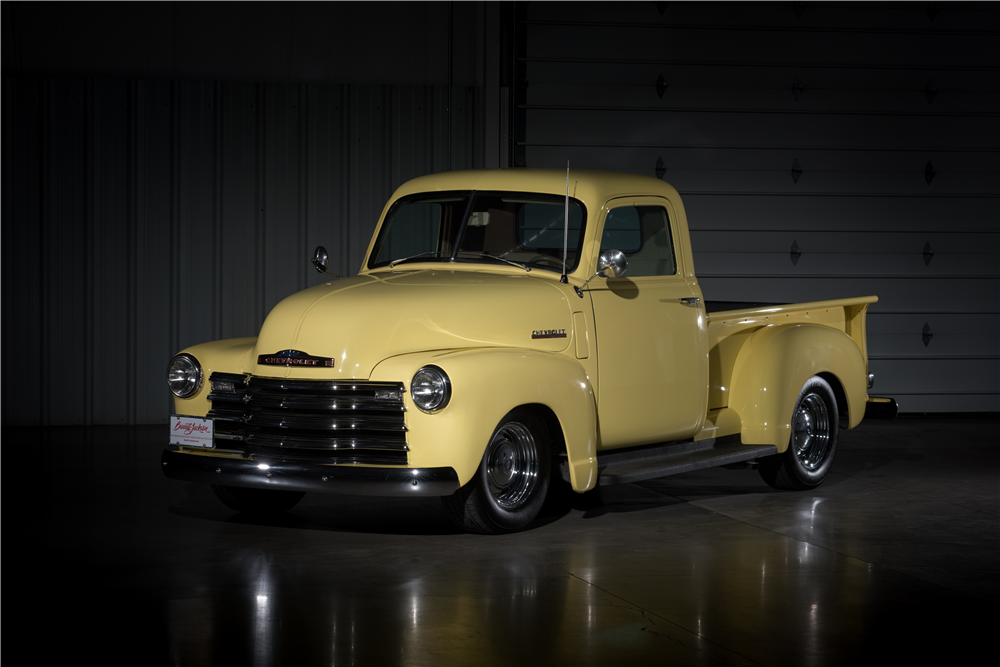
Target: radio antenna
x,y
565,225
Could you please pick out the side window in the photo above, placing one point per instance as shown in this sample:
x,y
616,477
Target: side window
x,y
643,234
622,230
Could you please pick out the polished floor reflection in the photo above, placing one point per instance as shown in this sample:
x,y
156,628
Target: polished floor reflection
x,y
895,558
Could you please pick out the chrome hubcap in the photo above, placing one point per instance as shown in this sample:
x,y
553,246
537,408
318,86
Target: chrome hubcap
x,y
811,432
512,465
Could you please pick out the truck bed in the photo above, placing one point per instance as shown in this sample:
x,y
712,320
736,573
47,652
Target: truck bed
x,y
719,306
730,323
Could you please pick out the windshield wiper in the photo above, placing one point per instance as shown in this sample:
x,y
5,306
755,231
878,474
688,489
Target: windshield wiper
x,y
438,253
499,259
435,253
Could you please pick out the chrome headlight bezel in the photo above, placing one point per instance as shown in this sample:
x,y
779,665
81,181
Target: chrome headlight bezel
x,y
184,376
430,389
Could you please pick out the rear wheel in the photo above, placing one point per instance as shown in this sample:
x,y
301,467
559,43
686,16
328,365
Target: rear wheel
x,y
257,501
512,481
813,442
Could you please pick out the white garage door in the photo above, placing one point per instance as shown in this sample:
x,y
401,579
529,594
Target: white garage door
x,y
822,151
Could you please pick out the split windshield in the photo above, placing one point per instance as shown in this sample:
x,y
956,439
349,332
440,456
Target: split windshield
x,y
481,227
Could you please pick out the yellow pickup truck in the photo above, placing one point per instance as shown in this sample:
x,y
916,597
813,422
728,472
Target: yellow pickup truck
x,y
509,328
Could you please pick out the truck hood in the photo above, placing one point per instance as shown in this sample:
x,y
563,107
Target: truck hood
x,y
357,322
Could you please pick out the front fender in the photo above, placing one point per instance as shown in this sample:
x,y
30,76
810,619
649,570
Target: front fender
x,y
232,355
486,384
773,365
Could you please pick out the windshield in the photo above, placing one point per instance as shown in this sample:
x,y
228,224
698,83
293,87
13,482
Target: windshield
x,y
482,227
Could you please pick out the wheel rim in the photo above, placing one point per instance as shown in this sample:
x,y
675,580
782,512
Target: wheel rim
x,y
512,465
811,432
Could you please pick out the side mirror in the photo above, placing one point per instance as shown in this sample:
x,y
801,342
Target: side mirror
x,y
321,260
609,260
614,260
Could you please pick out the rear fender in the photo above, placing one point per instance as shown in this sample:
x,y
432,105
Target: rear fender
x,y
773,365
486,384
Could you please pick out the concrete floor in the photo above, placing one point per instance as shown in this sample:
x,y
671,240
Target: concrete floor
x,y
894,558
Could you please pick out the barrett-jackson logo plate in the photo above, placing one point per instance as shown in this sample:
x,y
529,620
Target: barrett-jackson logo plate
x,y
294,358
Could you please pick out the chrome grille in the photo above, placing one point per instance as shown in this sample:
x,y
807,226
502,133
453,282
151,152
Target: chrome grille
x,y
320,421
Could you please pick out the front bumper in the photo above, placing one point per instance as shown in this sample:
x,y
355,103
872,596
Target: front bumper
x,y
309,477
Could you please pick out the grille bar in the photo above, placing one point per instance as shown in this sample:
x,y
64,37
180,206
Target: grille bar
x,y
271,399
295,420
316,443
349,387
315,420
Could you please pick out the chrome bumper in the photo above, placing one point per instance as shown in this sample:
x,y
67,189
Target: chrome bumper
x,y
309,477
881,408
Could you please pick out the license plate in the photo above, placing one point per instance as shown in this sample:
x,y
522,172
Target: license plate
x,y
191,431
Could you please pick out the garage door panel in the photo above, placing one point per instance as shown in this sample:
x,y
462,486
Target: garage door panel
x,y
777,158
951,324
773,94
956,295
911,345
944,376
820,263
554,126
741,74
916,403
781,182
853,242
708,211
805,16
720,43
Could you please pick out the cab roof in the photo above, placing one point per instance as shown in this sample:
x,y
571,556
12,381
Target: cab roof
x,y
591,187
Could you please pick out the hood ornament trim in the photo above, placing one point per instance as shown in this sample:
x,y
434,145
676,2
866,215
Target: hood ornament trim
x,y
294,358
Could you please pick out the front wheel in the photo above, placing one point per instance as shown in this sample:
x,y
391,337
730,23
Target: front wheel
x,y
813,442
257,501
512,481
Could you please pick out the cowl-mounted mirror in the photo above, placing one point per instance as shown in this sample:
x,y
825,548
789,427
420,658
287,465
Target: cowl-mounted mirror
x,y
612,261
321,260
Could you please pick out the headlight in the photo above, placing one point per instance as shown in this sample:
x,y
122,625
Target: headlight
x,y
184,375
430,389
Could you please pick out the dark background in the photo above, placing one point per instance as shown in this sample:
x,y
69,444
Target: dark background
x,y
168,167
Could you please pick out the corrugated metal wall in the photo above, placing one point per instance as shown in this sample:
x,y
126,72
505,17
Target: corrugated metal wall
x,y
822,151
143,216
399,43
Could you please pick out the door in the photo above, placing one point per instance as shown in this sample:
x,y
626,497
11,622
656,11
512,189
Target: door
x,y
651,332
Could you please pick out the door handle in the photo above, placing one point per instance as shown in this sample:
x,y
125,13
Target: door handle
x,y
690,300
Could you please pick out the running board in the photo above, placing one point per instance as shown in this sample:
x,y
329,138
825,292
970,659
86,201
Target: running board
x,y
649,462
